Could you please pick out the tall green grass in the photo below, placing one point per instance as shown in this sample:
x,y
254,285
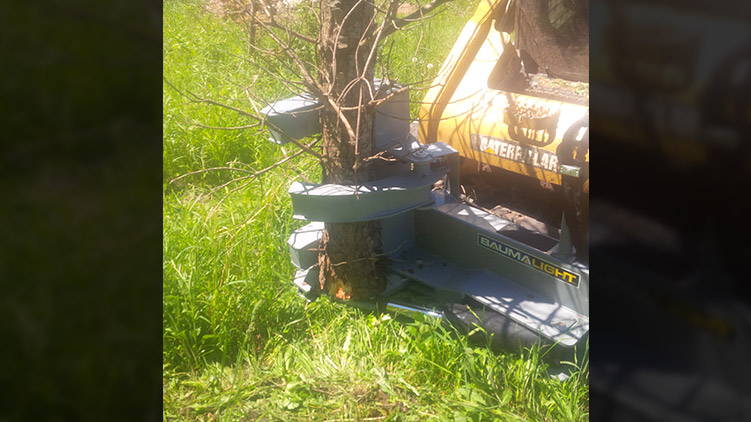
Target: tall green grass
x,y
239,343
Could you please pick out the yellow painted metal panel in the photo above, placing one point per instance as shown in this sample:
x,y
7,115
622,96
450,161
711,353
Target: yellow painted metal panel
x,y
485,124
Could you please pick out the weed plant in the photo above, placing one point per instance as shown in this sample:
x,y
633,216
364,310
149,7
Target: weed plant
x,y
239,342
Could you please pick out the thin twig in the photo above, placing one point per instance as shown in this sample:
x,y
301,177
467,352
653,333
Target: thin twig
x,y
307,78
369,258
199,99
295,169
252,174
253,177
292,32
202,126
412,17
302,146
216,207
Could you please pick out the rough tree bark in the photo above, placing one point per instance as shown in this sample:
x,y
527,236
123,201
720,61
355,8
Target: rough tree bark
x,y
348,258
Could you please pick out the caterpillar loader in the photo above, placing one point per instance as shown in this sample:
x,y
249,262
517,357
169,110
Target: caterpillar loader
x,y
512,99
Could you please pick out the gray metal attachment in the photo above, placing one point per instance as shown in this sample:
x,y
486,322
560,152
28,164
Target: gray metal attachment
x,y
392,115
444,250
294,118
538,312
299,117
303,244
370,201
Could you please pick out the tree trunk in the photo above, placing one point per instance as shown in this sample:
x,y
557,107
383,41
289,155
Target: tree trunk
x,y
348,257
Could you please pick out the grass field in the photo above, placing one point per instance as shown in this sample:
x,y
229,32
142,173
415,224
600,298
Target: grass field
x,y
239,343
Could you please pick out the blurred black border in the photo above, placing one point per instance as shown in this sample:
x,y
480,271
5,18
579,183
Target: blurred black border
x,y
670,115
81,303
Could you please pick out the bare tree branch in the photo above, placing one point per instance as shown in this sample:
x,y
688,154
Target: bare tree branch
x,y
202,126
182,176
399,23
303,37
294,168
309,80
251,173
197,99
251,178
